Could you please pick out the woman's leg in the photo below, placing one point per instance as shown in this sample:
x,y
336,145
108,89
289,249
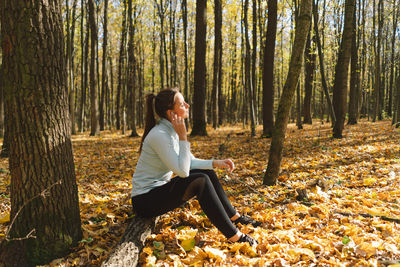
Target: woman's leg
x,y
171,195
230,210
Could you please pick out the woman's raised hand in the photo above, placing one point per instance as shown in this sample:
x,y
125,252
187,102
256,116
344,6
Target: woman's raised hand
x,y
224,163
179,125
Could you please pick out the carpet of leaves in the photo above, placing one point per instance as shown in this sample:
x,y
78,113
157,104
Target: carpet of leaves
x,y
357,175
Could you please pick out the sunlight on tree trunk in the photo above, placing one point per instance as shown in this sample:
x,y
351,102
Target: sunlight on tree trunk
x,y
296,62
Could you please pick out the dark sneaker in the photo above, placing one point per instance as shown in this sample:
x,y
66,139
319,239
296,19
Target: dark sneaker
x,y
247,220
248,239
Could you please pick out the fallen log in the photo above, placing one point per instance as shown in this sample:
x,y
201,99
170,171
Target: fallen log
x,y
126,253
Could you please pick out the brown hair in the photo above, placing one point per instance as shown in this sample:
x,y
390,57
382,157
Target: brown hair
x,y
163,101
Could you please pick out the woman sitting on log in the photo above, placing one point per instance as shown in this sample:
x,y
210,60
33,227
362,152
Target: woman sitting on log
x,y
165,150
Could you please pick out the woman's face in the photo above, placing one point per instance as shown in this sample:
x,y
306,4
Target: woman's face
x,y
181,108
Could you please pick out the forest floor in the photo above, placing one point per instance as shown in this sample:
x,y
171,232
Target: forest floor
x,y
348,212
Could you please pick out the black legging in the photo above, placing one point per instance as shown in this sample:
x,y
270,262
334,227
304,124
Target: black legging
x,y
201,183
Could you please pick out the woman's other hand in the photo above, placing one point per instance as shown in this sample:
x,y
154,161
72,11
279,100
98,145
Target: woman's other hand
x,y
224,164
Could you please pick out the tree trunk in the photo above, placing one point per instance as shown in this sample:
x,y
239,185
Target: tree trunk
x,y
172,32
84,64
299,123
199,94
44,194
217,63
278,137
104,65
121,61
111,111
309,79
185,47
94,105
161,13
247,69
321,63
393,52
341,71
70,67
396,120
268,70
355,76
1,103
253,64
132,69
377,78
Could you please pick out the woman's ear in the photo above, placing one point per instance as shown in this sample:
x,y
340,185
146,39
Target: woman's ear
x,y
169,114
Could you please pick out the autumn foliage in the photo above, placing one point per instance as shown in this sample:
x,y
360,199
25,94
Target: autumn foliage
x,y
337,201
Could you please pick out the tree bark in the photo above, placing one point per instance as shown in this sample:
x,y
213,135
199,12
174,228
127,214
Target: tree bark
x,y
278,137
268,70
310,57
94,105
121,61
377,78
341,71
355,76
199,94
253,65
84,64
396,120
104,66
321,63
217,62
393,52
132,69
44,194
2,114
247,69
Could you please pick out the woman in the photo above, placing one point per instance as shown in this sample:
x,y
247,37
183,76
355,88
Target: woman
x,y
165,150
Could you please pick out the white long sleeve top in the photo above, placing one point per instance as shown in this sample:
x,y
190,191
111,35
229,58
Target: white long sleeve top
x,y
163,154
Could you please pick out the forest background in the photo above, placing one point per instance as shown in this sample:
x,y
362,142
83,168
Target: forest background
x,y
234,65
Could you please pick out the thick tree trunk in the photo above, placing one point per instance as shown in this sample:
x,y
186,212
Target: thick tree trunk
x,y
309,68
44,194
217,63
278,137
268,70
199,94
341,71
94,105
355,76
